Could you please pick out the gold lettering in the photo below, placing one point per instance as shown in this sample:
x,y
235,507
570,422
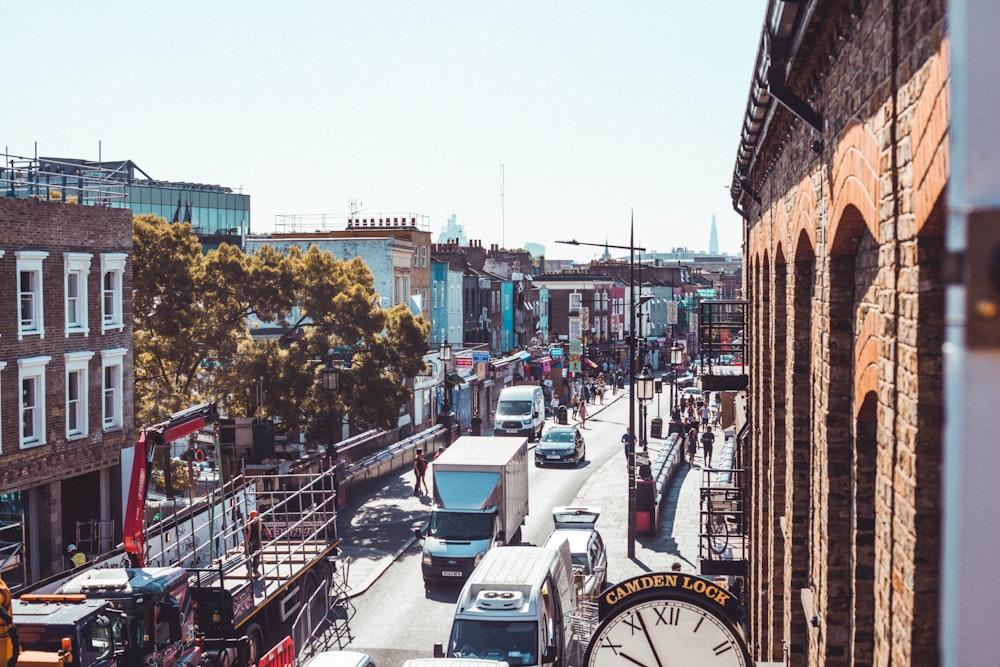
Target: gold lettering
x,y
671,580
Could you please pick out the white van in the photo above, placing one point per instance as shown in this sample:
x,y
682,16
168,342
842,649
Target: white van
x,y
516,607
521,411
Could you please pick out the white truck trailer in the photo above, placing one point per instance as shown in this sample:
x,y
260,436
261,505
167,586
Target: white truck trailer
x,y
480,500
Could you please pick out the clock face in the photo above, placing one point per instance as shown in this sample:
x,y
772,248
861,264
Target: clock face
x,y
666,633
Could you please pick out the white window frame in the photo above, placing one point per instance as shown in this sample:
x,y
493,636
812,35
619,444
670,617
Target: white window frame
x,y
575,301
30,261
78,363
114,361
77,264
113,264
32,369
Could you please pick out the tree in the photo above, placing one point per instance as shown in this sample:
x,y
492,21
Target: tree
x,y
193,315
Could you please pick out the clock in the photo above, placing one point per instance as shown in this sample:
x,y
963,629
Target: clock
x,y
667,626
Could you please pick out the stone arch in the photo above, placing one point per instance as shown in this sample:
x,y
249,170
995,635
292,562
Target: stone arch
x,y
804,215
866,354
855,177
781,601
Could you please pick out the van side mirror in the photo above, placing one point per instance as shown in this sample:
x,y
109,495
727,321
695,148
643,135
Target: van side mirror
x,y
500,537
418,533
549,654
438,650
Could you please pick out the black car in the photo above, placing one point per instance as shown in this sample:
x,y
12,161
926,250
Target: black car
x,y
561,444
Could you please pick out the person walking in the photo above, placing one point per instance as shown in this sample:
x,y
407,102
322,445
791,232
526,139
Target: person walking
x,y
707,445
692,446
706,414
255,532
582,413
419,470
476,425
628,441
574,403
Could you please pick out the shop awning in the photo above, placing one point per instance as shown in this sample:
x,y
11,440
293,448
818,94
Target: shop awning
x,y
589,362
455,378
524,356
544,360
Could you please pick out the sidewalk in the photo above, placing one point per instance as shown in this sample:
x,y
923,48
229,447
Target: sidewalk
x,y
381,526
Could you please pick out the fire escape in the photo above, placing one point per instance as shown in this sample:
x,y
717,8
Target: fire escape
x,y
723,526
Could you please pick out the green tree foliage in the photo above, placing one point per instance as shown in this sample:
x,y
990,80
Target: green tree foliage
x,y
193,342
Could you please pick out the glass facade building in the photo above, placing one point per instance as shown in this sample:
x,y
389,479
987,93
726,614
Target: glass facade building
x,y
216,213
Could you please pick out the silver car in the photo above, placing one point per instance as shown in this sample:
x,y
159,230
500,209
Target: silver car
x,y
575,526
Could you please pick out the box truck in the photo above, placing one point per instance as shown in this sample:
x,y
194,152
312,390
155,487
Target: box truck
x,y
516,607
480,499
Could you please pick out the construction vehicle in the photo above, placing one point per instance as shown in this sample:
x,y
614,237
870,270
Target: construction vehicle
x,y
194,599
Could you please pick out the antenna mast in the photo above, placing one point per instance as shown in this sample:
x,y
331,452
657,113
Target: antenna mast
x,y
503,217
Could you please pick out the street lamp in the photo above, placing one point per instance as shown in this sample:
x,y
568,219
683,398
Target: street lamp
x,y
631,247
644,392
444,354
331,383
676,358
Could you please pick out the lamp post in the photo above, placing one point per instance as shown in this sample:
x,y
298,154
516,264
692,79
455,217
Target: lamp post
x,y
631,247
331,383
444,354
676,357
644,392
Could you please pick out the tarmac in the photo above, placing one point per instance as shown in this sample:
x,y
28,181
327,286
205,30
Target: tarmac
x,y
380,522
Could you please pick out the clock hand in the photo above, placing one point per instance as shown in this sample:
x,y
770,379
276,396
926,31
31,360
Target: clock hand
x,y
633,660
649,639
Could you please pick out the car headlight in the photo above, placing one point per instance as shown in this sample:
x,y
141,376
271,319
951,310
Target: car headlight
x,y
427,557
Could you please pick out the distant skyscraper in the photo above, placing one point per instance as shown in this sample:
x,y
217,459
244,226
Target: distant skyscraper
x,y
713,239
453,231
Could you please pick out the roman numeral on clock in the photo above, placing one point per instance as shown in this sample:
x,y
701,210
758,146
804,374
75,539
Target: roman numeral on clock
x,y
668,616
607,643
722,648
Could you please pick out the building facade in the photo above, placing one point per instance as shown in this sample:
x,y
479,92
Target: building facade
x,y
65,380
841,178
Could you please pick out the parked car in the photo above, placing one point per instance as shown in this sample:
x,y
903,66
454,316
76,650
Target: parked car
x,y
684,380
691,392
575,525
339,659
561,444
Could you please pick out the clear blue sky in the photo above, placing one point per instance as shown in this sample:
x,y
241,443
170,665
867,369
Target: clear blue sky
x,y
595,109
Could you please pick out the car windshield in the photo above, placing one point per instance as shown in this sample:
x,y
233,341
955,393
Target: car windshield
x,y
512,641
458,526
514,408
558,436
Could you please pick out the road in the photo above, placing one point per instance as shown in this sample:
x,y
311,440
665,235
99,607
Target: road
x,y
397,620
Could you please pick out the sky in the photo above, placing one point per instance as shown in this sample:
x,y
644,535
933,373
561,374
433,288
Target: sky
x,y
599,113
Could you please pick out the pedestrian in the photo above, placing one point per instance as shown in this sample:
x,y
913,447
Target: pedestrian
x,y
255,533
628,441
76,556
707,445
692,445
440,451
574,403
419,470
555,406
476,425
582,412
600,387
676,567
706,414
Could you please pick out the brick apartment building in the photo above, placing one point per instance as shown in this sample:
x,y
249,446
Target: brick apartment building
x,y
841,178
65,380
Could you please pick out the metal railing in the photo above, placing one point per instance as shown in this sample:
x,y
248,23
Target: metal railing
x,y
66,182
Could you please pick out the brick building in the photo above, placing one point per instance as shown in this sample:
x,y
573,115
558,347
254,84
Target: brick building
x,y
841,178
65,379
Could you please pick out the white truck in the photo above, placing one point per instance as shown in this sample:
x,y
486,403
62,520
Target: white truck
x,y
516,607
480,499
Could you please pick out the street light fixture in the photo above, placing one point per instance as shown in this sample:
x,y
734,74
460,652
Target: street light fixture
x,y
631,247
331,383
676,358
444,354
644,393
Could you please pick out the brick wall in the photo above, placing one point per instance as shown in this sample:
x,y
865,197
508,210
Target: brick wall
x,y
58,468
844,260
